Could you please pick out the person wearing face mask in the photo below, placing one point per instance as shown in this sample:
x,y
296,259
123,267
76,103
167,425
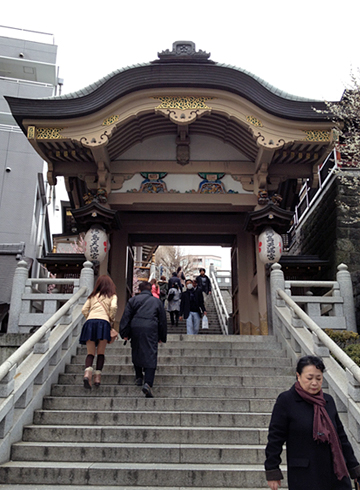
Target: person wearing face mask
x,y
192,307
319,455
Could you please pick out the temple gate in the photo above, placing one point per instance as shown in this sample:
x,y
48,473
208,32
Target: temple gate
x,y
185,151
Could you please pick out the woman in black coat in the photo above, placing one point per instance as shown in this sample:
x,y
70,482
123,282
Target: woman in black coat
x,y
319,455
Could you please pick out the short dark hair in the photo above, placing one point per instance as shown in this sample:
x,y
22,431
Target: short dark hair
x,y
310,361
144,285
188,280
202,269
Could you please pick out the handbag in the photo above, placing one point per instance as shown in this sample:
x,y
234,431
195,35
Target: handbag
x,y
205,322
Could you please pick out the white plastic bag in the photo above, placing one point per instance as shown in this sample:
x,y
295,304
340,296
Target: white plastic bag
x,y
205,322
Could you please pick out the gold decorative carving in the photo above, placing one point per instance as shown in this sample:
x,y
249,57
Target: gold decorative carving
x,y
48,133
111,120
183,103
254,121
31,132
318,135
183,110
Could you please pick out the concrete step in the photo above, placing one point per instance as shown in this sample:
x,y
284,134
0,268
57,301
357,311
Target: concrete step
x,y
212,405
141,434
23,486
178,348
151,418
182,360
203,369
226,339
138,453
147,474
97,403
186,380
173,391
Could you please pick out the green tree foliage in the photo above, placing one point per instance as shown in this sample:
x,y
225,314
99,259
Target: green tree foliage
x,y
348,341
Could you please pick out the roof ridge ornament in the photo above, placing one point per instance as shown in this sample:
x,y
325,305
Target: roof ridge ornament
x,y
183,51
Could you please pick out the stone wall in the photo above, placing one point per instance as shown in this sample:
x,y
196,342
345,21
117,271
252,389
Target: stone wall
x,y
332,231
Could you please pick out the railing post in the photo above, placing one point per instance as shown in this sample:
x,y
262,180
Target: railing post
x,y
353,386
346,291
319,348
277,281
86,279
18,288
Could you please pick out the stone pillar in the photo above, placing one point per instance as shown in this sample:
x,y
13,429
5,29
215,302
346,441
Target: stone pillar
x,y
277,281
346,292
18,288
152,268
87,279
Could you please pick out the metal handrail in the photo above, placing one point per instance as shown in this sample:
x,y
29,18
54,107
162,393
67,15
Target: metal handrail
x,y
220,305
335,350
26,347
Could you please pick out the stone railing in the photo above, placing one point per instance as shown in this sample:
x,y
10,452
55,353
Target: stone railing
x,y
31,305
219,303
300,334
27,375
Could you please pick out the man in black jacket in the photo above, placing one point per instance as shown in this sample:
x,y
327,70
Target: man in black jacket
x,y
204,284
144,323
192,307
175,280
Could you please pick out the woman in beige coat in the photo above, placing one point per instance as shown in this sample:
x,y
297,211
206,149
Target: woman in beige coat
x,y
99,311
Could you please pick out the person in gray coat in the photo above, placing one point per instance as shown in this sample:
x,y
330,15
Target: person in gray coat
x,y
174,304
144,323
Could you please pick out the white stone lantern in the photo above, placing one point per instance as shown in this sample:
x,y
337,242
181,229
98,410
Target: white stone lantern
x,y
270,246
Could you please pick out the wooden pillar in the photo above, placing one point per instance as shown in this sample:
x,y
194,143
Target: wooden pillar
x,y
117,267
251,295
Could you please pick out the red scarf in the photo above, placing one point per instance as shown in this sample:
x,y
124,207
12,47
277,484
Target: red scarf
x,y
324,430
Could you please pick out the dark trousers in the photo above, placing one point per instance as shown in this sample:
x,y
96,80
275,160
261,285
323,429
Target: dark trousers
x,y
149,374
174,317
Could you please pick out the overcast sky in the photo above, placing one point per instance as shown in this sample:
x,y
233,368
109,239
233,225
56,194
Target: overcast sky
x,y
305,48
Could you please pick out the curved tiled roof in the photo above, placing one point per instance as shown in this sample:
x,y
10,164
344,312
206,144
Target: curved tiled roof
x,y
93,86
167,75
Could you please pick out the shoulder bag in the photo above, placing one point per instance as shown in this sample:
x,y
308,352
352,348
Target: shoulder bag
x,y
113,333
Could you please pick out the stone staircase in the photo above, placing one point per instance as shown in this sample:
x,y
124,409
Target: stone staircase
x,y
214,325
205,428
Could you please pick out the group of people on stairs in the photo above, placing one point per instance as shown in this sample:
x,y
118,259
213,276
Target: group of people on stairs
x,y
318,452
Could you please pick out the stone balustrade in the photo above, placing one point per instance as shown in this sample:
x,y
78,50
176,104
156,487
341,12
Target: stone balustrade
x,y
27,375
